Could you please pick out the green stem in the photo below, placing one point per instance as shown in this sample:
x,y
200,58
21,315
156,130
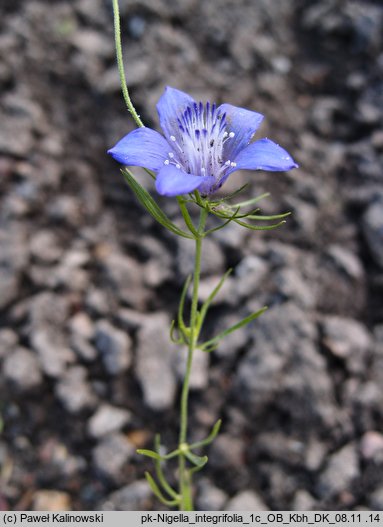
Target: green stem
x,y
185,476
120,64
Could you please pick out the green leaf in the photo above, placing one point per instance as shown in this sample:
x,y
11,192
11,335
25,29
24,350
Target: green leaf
x,y
159,472
172,330
268,218
198,461
210,438
260,227
239,324
156,491
149,453
250,201
151,206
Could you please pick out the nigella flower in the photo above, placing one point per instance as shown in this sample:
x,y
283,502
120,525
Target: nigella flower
x,y
202,145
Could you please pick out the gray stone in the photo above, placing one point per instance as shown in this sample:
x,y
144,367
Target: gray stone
x,y
126,277
346,261
376,499
158,267
83,348
227,452
114,346
23,369
107,419
371,446
155,362
81,324
13,258
291,285
246,500
303,501
347,339
373,230
111,454
44,246
97,302
66,209
8,341
249,274
48,314
74,391
342,468
315,454
133,497
209,497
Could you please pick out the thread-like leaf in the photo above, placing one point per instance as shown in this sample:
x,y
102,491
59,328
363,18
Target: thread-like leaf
x,y
149,453
159,472
239,324
250,201
198,461
260,227
156,491
210,438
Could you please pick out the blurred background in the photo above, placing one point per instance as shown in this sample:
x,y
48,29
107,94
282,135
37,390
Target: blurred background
x,y
89,283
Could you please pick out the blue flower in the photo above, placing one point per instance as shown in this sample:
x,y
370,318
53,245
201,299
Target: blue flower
x,y
203,145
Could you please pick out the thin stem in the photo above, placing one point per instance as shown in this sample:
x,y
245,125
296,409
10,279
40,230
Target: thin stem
x,y
185,476
120,64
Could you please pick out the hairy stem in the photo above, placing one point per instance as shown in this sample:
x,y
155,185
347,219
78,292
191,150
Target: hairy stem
x,y
120,64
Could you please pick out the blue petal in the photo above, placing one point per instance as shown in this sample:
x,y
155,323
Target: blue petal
x,y
264,155
143,147
170,106
243,123
172,181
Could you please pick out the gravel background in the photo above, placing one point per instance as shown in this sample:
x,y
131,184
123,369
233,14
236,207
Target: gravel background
x,y
88,282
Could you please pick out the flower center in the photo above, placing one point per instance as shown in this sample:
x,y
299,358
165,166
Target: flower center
x,y
199,145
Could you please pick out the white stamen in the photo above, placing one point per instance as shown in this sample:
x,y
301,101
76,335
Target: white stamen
x,y
166,162
178,166
232,134
171,155
225,134
203,170
227,162
232,164
172,138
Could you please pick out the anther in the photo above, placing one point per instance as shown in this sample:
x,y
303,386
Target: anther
x,y
232,134
172,138
171,155
232,164
178,165
166,162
